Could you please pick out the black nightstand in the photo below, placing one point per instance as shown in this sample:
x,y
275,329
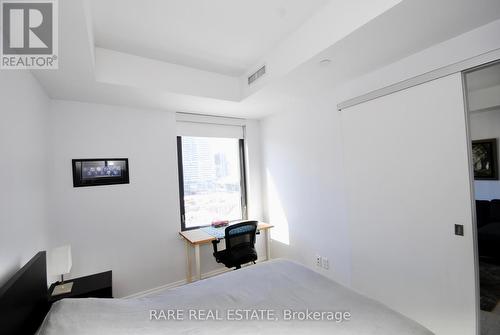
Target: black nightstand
x,y
93,286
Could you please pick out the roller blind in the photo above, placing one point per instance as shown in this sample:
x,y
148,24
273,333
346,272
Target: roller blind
x,y
208,126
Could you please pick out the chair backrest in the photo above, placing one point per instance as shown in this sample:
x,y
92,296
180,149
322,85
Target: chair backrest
x,y
241,234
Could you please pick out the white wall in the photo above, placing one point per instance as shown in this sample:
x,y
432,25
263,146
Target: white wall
x,y
485,125
404,255
23,170
407,172
131,229
307,189
304,187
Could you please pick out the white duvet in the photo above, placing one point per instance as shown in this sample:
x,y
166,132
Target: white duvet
x,y
275,297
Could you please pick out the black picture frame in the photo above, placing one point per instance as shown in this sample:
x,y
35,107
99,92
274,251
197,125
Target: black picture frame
x,y
485,159
100,171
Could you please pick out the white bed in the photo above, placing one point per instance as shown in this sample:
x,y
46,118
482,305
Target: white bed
x,y
277,286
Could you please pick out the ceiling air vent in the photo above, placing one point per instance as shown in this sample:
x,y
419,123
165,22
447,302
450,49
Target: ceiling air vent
x,y
257,74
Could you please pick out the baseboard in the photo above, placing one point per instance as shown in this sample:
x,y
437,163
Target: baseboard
x,y
178,283
155,289
175,284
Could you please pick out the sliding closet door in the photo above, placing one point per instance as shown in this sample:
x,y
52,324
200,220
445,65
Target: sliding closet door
x,y
408,185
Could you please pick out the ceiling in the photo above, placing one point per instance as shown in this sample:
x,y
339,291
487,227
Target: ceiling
x,y
484,78
359,39
223,36
483,87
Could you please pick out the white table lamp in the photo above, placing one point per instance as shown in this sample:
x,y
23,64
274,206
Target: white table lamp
x,y
59,264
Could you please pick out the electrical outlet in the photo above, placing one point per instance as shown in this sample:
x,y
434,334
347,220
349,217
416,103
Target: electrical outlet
x,y
459,229
324,263
318,260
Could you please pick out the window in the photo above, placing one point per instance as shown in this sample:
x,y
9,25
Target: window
x,y
211,180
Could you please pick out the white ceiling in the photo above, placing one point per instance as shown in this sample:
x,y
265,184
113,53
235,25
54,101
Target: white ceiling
x,y
224,36
484,89
484,78
399,32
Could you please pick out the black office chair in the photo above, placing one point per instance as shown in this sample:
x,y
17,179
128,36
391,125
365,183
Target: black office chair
x,y
240,245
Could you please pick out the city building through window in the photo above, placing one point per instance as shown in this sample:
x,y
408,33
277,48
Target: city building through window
x,y
211,180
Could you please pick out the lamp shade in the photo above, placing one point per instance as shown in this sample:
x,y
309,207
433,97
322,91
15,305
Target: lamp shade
x,y
59,261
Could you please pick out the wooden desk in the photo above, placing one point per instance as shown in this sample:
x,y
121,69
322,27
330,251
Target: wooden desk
x,y
196,237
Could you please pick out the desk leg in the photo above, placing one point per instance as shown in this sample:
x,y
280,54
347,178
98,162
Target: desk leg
x,y
188,262
197,261
268,244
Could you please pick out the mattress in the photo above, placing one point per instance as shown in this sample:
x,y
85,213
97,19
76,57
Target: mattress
x,y
274,297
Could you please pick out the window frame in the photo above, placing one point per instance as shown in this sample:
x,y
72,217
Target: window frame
x,y
243,183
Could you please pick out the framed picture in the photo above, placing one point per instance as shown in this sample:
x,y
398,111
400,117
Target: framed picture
x,y
484,158
96,171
